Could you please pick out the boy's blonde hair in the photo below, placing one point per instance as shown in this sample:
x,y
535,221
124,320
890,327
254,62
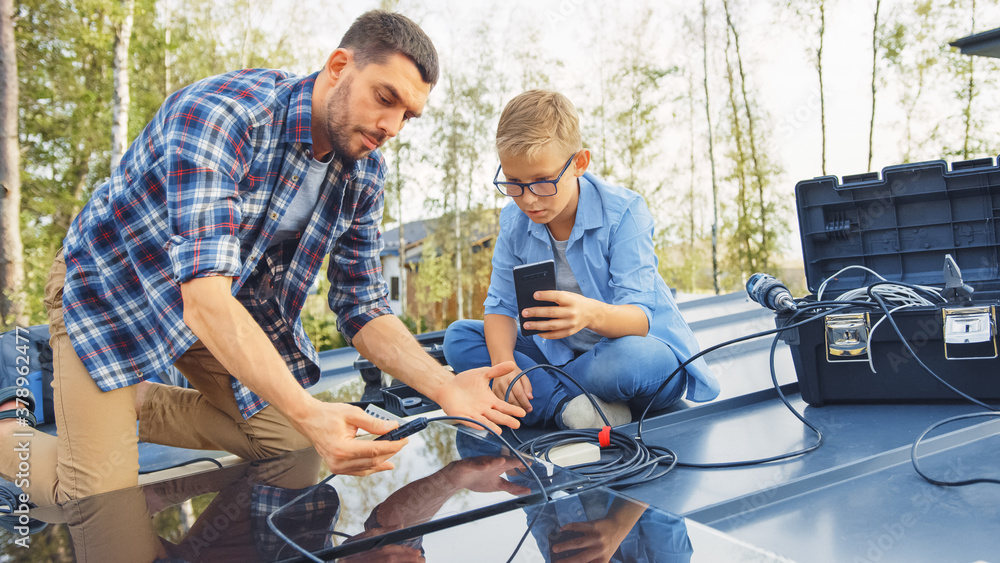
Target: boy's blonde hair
x,y
534,119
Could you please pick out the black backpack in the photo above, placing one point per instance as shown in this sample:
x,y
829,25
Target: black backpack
x,y
29,346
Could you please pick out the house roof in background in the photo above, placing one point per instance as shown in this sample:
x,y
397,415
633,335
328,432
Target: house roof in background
x,y
985,44
416,231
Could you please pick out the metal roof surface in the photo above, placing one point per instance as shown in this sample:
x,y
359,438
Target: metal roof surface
x,y
855,499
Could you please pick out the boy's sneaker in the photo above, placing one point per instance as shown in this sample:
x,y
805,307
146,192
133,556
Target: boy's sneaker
x,y
579,413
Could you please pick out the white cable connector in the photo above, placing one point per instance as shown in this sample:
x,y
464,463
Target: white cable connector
x,y
575,454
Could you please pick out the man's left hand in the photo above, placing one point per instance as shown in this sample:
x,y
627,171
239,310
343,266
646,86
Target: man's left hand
x,y
468,394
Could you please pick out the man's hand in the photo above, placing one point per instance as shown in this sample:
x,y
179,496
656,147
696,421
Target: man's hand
x,y
468,394
521,395
332,427
572,313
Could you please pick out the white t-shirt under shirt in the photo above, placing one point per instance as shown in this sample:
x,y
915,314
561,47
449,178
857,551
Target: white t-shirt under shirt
x,y
297,216
584,340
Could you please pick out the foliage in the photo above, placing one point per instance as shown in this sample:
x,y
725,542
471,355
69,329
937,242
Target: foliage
x,y
628,115
912,55
754,235
434,284
65,50
65,73
322,330
636,98
462,132
970,78
812,21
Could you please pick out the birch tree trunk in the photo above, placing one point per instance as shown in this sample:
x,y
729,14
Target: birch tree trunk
x,y
121,98
12,299
758,172
819,72
871,123
970,95
711,152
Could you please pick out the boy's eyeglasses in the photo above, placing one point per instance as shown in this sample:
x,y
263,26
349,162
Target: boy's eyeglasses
x,y
542,188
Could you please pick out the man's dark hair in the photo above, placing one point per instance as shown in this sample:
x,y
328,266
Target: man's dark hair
x,y
377,34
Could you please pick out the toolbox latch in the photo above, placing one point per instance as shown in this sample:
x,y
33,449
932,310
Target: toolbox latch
x,y
969,333
847,337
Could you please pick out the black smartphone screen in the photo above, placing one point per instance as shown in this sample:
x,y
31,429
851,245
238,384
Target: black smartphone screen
x,y
529,278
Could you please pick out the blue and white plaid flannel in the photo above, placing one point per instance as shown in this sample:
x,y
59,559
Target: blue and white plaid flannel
x,y
200,193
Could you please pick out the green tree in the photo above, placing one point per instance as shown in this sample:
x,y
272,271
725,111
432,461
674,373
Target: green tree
x,y
628,119
397,154
463,127
758,226
969,78
66,81
876,41
711,149
913,53
122,20
12,295
811,15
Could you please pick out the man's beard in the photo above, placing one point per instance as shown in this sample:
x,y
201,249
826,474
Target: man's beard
x,y
338,124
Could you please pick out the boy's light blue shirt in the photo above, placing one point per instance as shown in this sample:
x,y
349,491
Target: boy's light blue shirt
x,y
611,253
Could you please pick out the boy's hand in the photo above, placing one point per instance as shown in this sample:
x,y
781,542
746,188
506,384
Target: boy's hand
x,y
572,314
521,394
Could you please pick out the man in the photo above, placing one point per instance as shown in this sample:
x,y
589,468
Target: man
x,y
200,251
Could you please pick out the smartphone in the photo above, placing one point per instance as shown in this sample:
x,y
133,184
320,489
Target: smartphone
x,y
529,278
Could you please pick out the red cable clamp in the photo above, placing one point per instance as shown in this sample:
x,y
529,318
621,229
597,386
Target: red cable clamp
x,y
604,437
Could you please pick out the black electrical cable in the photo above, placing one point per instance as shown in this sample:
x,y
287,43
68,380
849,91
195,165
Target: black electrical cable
x,y
624,461
524,536
631,460
992,411
928,478
311,557
781,395
892,322
835,306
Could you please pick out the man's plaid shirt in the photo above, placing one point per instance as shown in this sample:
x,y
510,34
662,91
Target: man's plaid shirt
x,y
200,193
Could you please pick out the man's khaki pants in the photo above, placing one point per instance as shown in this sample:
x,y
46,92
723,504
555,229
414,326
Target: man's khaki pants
x,y
97,448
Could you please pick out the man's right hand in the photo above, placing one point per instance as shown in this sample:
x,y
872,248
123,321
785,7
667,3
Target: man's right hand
x,y
332,428
521,394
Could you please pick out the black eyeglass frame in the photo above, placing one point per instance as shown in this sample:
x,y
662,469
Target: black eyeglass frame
x,y
531,185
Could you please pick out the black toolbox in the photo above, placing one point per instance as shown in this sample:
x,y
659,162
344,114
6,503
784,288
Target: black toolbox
x,y
901,224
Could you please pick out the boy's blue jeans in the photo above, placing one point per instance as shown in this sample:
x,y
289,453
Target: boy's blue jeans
x,y
617,369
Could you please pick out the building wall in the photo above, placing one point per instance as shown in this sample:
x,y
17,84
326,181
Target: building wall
x,y
390,270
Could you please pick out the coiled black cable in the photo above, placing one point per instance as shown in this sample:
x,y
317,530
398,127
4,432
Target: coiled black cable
x,y
624,461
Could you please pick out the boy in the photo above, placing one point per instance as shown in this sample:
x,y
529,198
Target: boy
x,y
615,329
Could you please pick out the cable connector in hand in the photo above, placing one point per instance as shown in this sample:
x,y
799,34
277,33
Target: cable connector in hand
x,y
410,428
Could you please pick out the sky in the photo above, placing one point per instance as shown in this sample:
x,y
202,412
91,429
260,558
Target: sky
x,y
776,53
